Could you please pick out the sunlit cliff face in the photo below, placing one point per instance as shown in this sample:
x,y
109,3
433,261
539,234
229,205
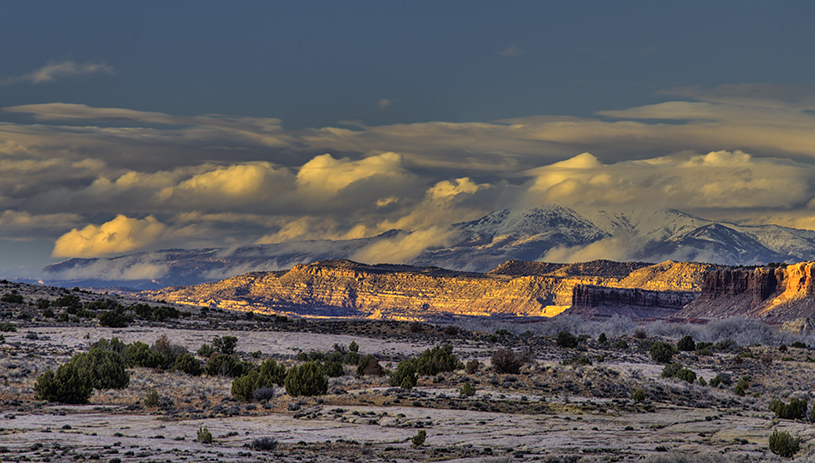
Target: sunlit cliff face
x,y
105,181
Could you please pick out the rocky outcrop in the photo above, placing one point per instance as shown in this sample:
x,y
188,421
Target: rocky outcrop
x,y
599,301
774,293
345,288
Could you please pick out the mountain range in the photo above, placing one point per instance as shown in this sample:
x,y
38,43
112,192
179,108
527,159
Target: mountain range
x,y
547,233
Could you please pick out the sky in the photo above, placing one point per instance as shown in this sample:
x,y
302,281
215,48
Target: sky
x,y
131,126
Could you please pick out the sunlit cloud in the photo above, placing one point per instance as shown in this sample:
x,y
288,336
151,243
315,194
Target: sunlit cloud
x,y
384,103
119,235
59,70
512,50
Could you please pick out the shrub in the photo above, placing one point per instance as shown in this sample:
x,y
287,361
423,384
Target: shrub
x,y
204,436
566,339
151,398
13,297
74,381
369,366
640,333
227,365
416,327
782,348
621,344
170,351
8,327
493,338
352,358
332,369
783,444
686,375
799,345
139,354
472,366
662,352
671,370
405,375
451,330
115,318
306,380
602,339
467,390
225,345
437,360
741,386
264,443
188,364
639,395
507,361
686,344
275,373
205,351
794,410
419,438
353,347
106,367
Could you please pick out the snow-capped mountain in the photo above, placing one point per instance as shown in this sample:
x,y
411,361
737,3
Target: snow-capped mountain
x,y
479,246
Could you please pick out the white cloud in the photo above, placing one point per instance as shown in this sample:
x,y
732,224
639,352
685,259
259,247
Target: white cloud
x,y
119,235
60,70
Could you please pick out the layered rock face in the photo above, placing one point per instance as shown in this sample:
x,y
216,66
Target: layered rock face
x,y
774,293
345,288
599,301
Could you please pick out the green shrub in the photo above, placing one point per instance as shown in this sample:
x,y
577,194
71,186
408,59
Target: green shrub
x,y
68,385
13,297
566,339
580,360
467,390
796,409
275,373
507,361
227,365
353,347
205,351
204,436
115,318
151,398
686,344
602,339
472,366
139,354
264,378
405,375
726,345
783,444
225,345
170,351
662,352
419,438
621,344
741,386
686,375
639,395
306,380
106,367
188,364
671,370
437,360
8,327
799,345
332,369
493,338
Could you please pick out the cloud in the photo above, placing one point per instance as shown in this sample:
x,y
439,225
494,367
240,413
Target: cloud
x,y
615,248
384,103
119,235
60,70
403,248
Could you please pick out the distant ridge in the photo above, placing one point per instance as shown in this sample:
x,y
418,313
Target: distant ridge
x,y
545,233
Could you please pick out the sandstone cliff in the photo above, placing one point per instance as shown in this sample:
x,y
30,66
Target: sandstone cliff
x,y
773,293
345,288
600,301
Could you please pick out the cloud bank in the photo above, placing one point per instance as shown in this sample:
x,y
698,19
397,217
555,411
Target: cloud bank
x,y
104,181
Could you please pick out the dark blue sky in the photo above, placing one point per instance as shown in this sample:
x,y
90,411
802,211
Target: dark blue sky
x,y
313,63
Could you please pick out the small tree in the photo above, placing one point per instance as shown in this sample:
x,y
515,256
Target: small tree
x,y
602,339
662,352
796,409
467,390
686,344
306,380
188,364
419,438
204,436
783,444
566,339
405,375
